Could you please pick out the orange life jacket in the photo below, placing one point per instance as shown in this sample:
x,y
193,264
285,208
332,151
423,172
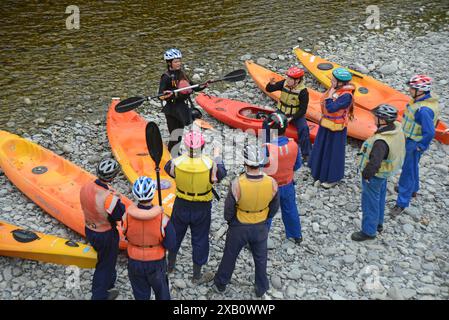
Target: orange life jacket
x,y
97,204
337,121
145,236
282,162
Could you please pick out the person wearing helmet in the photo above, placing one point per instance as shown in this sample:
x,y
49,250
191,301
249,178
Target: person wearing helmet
x,y
176,109
149,233
419,122
327,160
382,156
284,159
102,209
293,103
252,199
195,174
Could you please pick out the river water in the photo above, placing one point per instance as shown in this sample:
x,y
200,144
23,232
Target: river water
x,y
50,72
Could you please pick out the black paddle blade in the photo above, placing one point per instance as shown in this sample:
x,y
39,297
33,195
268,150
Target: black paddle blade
x,y
154,142
129,104
234,76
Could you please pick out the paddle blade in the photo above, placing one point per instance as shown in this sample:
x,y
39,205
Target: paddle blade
x,y
203,124
234,76
129,104
154,142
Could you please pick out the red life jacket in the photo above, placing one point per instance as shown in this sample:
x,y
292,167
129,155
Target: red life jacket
x,y
282,162
145,236
337,121
97,204
179,84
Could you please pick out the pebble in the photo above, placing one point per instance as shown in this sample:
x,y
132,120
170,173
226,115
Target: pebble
x,y
349,259
245,57
276,282
294,274
263,61
196,77
408,229
388,68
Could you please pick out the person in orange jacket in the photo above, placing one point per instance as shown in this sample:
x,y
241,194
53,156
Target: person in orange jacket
x,y
102,209
149,233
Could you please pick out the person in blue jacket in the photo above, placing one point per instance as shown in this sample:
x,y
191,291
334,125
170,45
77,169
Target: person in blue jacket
x,y
327,161
418,124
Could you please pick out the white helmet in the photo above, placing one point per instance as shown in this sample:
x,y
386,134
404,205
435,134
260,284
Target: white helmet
x,y
252,156
107,169
171,54
144,189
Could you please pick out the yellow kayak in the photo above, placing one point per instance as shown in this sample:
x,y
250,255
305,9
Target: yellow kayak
x,y
19,243
369,92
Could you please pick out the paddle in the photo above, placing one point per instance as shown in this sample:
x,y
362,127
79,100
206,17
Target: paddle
x,y
155,149
134,102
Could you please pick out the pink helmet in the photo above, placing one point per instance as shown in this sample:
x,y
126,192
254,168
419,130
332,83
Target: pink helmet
x,y
194,140
420,82
295,72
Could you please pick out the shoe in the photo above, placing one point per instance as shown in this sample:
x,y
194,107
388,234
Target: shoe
x,y
297,240
171,262
360,236
327,185
395,211
414,194
219,288
113,294
196,272
380,228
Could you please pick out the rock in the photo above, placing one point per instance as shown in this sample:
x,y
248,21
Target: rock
x,y
281,57
300,39
294,274
361,68
7,274
179,283
39,121
67,148
270,244
332,227
240,84
31,284
300,292
291,292
408,229
276,282
414,213
10,124
430,290
387,69
263,61
273,56
442,168
245,57
351,286
395,293
27,101
315,227
7,209
442,82
336,296
199,70
196,77
349,259
408,293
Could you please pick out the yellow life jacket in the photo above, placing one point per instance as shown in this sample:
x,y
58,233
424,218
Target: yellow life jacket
x,y
396,144
289,101
255,196
411,128
192,177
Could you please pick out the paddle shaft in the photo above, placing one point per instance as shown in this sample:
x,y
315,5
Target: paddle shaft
x,y
158,179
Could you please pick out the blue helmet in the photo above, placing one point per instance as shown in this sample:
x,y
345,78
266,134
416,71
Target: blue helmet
x,y
171,54
342,74
144,189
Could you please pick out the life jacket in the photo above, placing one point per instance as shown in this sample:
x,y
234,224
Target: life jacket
x,y
145,236
282,161
193,177
396,145
255,197
289,100
337,121
180,83
411,128
97,204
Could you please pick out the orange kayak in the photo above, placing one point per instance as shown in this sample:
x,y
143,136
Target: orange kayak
x,y
242,115
19,243
361,127
126,133
369,92
51,181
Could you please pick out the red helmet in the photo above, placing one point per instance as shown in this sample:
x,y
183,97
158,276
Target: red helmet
x,y
420,82
295,72
194,140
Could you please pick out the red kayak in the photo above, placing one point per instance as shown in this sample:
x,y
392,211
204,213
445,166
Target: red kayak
x,y
242,115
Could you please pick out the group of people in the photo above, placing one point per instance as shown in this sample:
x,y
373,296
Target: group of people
x,y
255,196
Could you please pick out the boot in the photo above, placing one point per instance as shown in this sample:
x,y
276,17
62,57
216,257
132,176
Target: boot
x,y
396,211
171,262
113,294
198,277
328,185
360,236
380,228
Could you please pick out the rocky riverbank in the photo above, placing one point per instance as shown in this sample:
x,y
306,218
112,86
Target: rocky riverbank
x,y
409,260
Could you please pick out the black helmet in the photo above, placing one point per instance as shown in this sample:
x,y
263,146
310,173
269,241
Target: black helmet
x,y
252,156
107,169
386,112
278,120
